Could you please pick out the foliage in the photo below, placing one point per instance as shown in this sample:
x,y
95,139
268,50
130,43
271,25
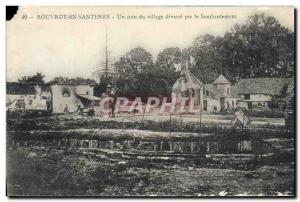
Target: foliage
x,y
140,76
261,47
37,78
204,50
135,73
71,81
100,88
165,71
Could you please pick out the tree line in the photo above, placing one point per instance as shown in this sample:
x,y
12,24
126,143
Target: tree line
x,y
261,47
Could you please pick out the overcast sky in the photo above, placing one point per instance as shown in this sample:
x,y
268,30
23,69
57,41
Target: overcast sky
x,y
74,48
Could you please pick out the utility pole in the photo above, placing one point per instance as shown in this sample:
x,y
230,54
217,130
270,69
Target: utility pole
x,y
106,71
109,71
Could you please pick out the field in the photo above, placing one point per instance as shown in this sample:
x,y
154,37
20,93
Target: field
x,y
66,155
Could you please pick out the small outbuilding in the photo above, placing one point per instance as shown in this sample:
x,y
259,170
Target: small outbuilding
x,y
263,93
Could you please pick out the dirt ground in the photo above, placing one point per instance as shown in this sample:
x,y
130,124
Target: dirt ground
x,y
52,172
205,119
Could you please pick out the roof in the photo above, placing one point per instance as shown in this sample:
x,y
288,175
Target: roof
x,y
190,82
221,80
89,97
15,88
216,93
234,92
268,86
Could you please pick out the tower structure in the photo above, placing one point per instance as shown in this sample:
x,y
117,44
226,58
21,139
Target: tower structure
x,y
106,70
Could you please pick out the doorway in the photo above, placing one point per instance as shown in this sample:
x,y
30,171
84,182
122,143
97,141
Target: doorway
x,y
249,105
204,105
222,103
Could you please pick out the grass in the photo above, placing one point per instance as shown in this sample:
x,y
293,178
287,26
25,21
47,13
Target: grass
x,y
75,122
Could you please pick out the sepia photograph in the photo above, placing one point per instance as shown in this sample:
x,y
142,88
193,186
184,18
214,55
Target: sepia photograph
x,y
150,101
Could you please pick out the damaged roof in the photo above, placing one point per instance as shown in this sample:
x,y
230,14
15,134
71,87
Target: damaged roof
x,y
268,86
234,92
191,82
16,88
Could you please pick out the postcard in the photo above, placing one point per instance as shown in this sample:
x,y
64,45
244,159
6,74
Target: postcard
x,y
150,101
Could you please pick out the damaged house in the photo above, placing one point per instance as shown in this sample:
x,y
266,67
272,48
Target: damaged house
x,y
187,85
27,96
263,94
219,95
71,98
53,98
214,97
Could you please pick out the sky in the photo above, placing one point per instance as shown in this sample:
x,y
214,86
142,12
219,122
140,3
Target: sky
x,y
75,47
